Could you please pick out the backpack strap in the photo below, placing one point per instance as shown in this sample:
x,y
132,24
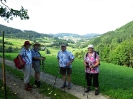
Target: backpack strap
x,y
95,54
26,55
37,52
87,54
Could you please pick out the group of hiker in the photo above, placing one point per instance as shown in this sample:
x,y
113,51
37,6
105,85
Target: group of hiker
x,y
33,59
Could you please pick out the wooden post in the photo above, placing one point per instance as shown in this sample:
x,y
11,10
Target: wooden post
x,y
3,67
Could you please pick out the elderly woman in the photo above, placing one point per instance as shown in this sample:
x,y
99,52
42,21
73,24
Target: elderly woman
x,y
91,63
36,57
25,53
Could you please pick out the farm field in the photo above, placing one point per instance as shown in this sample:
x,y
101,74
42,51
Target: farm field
x,y
18,43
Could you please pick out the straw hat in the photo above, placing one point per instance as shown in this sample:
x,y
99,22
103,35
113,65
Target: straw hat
x,y
37,44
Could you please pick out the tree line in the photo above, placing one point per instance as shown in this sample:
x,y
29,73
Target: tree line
x,y
116,46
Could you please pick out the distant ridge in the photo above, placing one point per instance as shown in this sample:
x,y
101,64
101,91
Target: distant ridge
x,y
89,35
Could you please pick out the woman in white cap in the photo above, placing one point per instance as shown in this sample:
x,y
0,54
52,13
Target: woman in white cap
x,y
91,63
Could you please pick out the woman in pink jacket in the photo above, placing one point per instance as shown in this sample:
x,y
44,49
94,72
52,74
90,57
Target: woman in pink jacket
x,y
91,63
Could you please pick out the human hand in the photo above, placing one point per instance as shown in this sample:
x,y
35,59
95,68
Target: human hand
x,y
91,66
21,63
68,64
85,64
42,58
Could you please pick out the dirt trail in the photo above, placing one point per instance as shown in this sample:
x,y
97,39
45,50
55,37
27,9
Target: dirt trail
x,y
17,87
76,90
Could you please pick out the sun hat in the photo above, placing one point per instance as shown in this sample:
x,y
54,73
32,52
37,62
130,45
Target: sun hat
x,y
27,43
63,45
37,44
90,46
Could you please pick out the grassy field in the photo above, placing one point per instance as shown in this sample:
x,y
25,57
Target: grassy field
x,y
18,43
115,81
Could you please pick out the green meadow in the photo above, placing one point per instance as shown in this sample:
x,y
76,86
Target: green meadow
x,y
115,81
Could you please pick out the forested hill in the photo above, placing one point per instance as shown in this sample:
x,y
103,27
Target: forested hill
x,y
16,33
116,46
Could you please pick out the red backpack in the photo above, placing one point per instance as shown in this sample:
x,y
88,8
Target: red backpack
x,y
17,63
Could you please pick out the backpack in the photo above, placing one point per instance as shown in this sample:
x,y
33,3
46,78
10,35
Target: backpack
x,y
94,55
17,63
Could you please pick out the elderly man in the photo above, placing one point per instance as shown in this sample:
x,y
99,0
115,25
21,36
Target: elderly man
x,y
36,57
65,59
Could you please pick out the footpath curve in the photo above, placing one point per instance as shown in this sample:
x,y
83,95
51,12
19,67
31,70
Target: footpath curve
x,y
76,90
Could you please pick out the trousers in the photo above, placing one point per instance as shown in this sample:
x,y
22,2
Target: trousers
x,y
89,78
27,73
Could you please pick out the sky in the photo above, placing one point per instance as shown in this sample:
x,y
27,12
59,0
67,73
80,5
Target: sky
x,y
72,16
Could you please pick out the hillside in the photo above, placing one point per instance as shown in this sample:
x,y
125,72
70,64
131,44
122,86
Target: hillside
x,y
89,35
75,37
116,46
45,39
17,33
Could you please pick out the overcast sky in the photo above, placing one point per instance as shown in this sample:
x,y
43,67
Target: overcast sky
x,y
72,16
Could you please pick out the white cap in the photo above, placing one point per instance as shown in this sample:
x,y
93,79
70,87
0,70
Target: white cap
x,y
90,46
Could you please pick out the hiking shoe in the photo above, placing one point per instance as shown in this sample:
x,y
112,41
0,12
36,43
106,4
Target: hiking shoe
x,y
88,89
69,86
35,82
96,92
63,86
38,84
27,88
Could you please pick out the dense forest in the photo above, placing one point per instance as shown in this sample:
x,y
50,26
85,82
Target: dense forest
x,y
16,33
116,46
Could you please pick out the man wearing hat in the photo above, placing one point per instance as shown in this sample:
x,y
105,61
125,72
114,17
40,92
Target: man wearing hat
x,y
25,53
65,59
36,60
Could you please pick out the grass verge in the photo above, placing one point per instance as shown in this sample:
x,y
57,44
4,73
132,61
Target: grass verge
x,y
46,89
10,94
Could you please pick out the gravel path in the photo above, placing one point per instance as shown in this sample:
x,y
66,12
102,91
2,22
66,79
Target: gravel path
x,y
17,87
76,90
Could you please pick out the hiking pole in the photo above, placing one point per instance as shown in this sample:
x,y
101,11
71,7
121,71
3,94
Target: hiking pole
x,y
65,78
43,63
55,78
84,84
90,74
43,68
3,67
